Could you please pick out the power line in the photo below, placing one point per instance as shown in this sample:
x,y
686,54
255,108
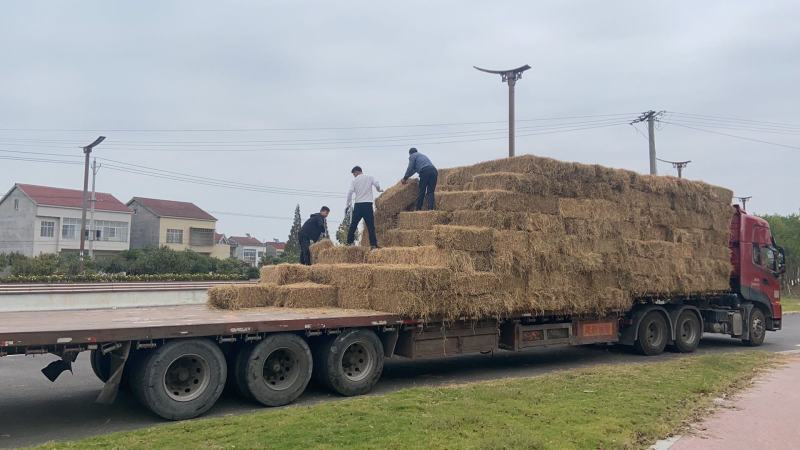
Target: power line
x,y
738,119
734,136
356,127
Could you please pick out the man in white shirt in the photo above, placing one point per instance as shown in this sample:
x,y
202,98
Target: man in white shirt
x,y
361,189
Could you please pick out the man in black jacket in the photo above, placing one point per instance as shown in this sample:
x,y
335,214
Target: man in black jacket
x,y
313,229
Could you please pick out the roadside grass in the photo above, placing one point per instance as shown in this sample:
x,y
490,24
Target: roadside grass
x,y
790,304
608,406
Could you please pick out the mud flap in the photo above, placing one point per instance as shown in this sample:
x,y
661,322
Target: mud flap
x,y
118,359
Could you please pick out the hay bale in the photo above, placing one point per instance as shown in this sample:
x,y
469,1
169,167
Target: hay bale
x,y
317,248
342,275
421,220
242,296
408,238
474,239
353,298
305,295
476,283
284,274
342,254
410,278
426,255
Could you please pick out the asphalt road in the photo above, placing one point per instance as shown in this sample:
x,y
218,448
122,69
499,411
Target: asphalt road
x,y
33,410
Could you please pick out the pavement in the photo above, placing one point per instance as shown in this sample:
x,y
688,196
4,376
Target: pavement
x,y
34,411
764,416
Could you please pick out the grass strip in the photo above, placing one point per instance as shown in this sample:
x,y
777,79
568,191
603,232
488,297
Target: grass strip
x,y
606,406
790,304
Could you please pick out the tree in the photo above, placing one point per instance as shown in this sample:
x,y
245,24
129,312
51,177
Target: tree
x,y
344,227
292,249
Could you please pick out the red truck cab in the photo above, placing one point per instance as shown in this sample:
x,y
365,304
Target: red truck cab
x,y
757,265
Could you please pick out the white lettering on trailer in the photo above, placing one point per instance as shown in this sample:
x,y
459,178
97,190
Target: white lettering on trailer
x,y
8,343
63,340
379,322
241,330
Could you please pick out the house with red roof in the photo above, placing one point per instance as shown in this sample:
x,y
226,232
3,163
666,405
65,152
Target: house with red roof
x,y
277,245
247,248
42,219
174,224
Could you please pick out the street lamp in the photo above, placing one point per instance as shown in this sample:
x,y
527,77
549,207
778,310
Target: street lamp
x,y
87,150
510,77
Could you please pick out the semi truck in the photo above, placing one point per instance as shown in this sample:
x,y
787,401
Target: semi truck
x,y
177,359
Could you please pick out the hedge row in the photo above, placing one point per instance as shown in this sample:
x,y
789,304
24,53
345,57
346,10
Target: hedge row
x,y
118,277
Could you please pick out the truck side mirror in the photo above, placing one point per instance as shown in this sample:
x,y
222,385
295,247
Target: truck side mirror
x,y
781,261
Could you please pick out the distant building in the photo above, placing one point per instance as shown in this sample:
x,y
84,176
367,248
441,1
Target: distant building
x,y
222,249
247,248
41,219
177,225
277,245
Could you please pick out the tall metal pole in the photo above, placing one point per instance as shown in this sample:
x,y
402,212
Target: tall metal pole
x,y
510,77
92,232
651,134
511,134
87,151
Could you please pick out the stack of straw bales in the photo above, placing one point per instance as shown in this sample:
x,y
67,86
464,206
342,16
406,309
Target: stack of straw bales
x,y
513,236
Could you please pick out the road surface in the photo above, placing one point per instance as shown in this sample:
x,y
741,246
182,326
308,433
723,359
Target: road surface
x,y
33,410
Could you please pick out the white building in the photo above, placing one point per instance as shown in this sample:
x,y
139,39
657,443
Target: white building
x,y
247,248
40,219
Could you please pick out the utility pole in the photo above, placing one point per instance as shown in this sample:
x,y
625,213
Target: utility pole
x,y
680,165
86,151
510,77
92,232
744,202
651,117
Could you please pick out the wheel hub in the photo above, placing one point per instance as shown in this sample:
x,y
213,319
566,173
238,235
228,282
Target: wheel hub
x,y
357,361
186,378
281,369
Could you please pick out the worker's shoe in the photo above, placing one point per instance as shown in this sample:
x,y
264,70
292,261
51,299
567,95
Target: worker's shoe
x,y
374,247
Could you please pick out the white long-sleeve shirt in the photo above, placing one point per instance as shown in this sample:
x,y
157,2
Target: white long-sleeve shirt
x,y
361,189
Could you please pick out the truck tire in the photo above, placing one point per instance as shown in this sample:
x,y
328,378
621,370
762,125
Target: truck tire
x,y
101,365
758,328
181,379
275,371
351,363
653,334
688,332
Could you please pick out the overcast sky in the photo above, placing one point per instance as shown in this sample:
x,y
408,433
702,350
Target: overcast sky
x,y
72,70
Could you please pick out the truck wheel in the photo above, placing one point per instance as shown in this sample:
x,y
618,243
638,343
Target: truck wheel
x,y
181,379
352,363
101,365
275,371
653,333
758,328
687,332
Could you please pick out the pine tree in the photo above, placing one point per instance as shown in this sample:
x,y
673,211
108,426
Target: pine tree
x,y
292,249
344,227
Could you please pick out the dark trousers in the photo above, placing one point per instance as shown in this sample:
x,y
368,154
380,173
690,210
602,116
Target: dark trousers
x,y
362,211
305,251
427,187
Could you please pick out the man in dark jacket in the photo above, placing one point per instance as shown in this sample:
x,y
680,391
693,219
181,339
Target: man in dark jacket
x,y
313,229
428,176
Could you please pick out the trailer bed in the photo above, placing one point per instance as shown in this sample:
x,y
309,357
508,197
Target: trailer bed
x,y
20,331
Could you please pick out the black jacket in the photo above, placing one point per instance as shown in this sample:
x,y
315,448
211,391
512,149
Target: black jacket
x,y
314,227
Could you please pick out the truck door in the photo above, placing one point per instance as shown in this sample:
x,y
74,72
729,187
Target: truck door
x,y
764,279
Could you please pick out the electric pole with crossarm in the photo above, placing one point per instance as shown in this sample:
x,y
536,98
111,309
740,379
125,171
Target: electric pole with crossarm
x,y
509,76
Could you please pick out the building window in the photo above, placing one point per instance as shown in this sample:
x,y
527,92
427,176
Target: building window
x,y
69,228
110,230
16,204
201,237
48,228
174,236
249,256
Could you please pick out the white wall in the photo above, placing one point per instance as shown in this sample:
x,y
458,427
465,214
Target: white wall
x,y
16,234
56,243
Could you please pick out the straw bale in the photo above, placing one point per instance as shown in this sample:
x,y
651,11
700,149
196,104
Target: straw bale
x,y
342,275
476,283
342,254
426,255
353,298
284,274
242,296
408,238
317,247
410,278
496,200
398,197
589,208
305,295
475,239
421,220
